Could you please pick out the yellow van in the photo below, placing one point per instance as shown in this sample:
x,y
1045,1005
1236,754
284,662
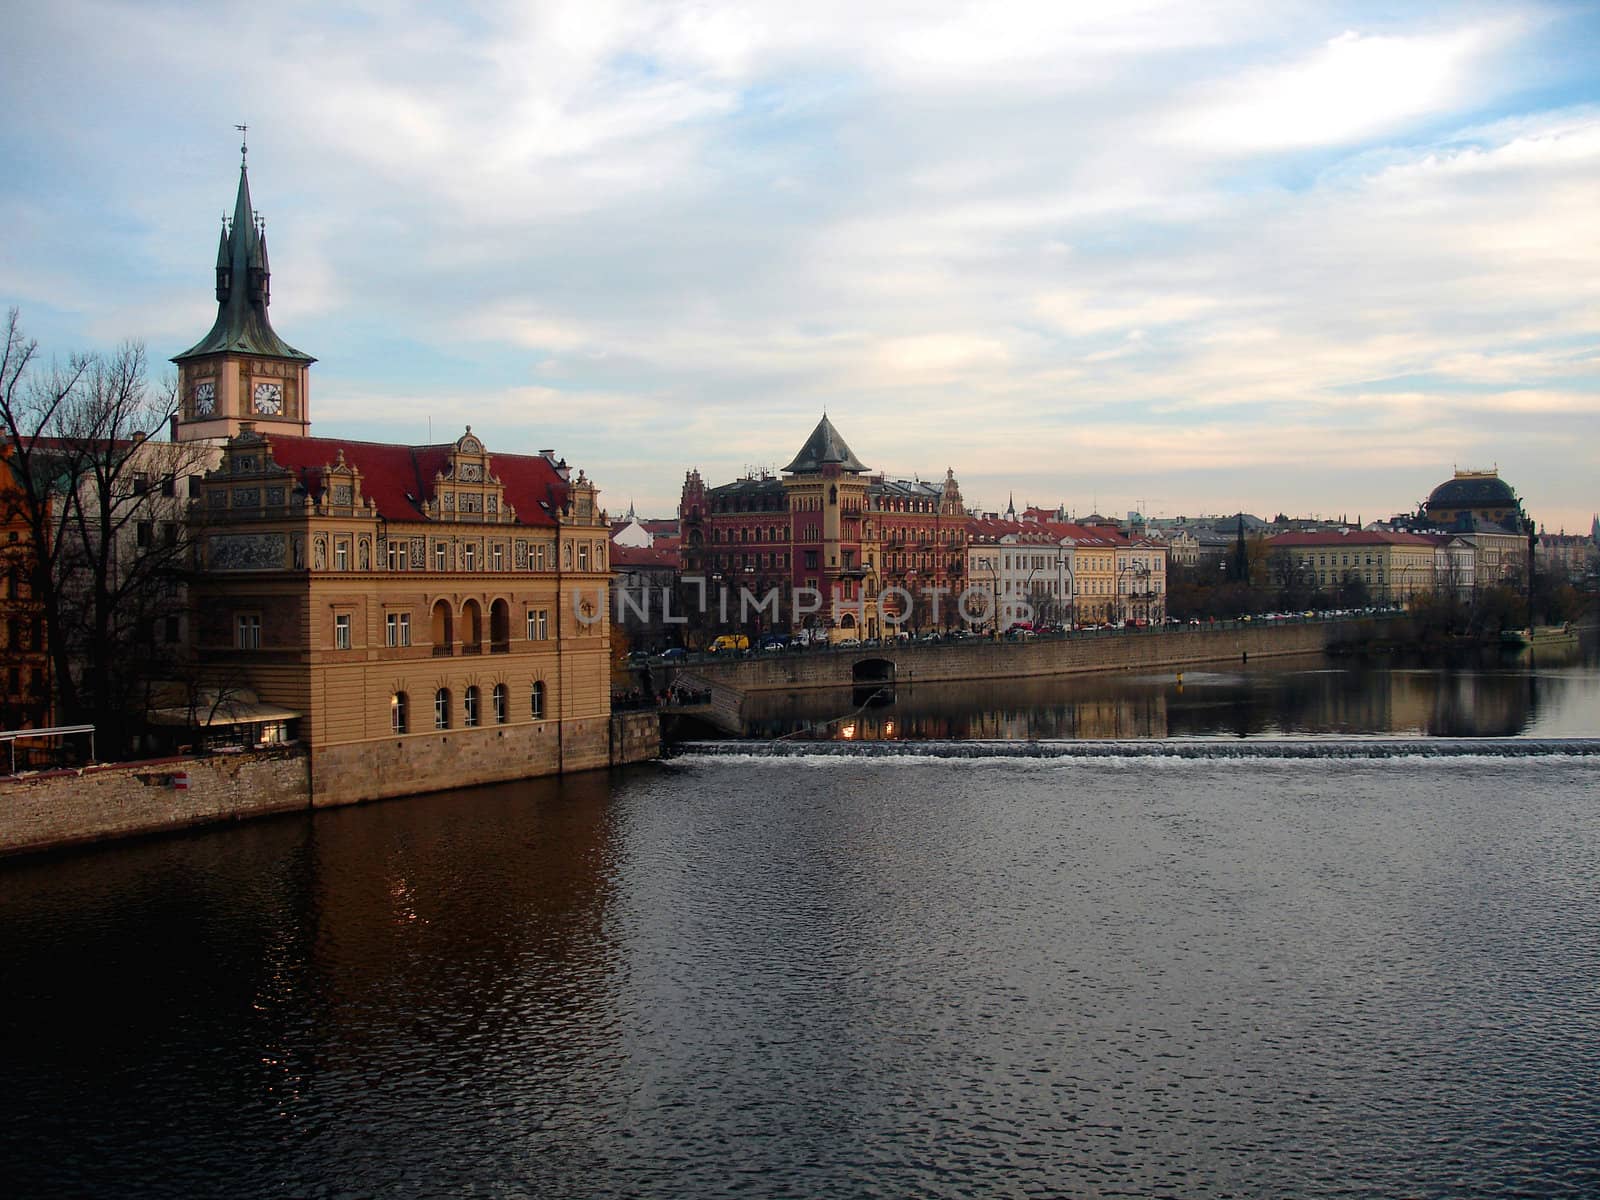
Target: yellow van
x,y
730,641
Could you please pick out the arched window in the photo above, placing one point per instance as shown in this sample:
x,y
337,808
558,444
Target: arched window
x,y
471,627
500,706
538,700
398,706
469,703
441,709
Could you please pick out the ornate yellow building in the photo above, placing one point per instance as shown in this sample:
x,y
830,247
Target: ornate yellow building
x,y
422,617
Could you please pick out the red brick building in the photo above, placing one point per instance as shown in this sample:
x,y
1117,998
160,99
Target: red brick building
x,y
826,527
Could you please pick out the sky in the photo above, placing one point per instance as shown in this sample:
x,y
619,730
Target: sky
x,y
1181,258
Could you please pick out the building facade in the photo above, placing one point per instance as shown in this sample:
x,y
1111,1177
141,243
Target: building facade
x,y
1392,567
849,554
420,617
24,652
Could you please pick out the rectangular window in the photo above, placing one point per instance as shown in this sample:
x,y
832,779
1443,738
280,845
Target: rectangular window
x,y
538,557
583,556
397,555
341,631
341,555
470,556
145,534
397,629
538,624
441,557
499,557
169,534
247,631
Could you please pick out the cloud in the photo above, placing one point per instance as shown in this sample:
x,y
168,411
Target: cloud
x,y
1353,87
1112,252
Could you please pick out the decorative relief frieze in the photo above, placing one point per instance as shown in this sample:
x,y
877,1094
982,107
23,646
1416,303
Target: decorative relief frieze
x,y
344,494
246,552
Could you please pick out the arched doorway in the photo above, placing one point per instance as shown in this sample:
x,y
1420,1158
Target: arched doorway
x,y
500,627
444,628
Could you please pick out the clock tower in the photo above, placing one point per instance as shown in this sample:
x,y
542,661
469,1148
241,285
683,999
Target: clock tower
x,y
242,370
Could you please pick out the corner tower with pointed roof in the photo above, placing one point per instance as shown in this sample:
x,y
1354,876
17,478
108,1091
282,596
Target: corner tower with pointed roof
x,y
827,486
242,371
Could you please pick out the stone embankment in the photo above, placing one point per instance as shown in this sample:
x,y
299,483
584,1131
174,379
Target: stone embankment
x,y
943,662
53,810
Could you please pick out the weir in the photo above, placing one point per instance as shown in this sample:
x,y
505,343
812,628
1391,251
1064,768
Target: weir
x,y
1217,749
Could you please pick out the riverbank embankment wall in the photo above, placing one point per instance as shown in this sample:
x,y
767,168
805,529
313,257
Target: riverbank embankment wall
x,y
58,809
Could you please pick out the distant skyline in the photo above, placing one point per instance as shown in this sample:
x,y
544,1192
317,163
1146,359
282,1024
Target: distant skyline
x,y
1182,258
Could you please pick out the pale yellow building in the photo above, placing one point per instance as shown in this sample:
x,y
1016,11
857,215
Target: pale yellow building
x,y
1392,566
422,617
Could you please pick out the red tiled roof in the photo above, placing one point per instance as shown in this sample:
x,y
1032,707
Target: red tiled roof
x,y
1362,537
399,479
642,556
1040,532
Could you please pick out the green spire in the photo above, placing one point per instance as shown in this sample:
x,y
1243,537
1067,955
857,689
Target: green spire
x,y
243,289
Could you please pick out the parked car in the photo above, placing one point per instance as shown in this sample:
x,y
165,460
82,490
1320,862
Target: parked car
x,y
729,641
848,643
673,653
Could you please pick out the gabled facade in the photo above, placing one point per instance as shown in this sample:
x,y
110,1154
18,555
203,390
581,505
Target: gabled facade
x,y
421,617
436,615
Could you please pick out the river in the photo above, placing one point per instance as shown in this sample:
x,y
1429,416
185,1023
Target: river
x,y
831,977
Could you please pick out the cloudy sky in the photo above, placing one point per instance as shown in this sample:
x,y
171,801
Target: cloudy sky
x,y
1180,257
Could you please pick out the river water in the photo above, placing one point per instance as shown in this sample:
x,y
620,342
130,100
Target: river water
x,y
832,977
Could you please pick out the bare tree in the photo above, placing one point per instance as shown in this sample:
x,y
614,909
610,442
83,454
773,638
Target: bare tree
x,y
104,505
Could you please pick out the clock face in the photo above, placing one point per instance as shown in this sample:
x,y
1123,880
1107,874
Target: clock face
x,y
205,399
268,399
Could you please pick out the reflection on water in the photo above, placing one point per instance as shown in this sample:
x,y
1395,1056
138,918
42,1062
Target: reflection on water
x,y
830,979
204,1010
1480,694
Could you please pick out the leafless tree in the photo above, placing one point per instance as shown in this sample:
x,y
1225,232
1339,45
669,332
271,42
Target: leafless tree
x,y
104,504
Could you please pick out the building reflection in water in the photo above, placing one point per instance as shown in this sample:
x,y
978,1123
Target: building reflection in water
x,y
471,932
1482,694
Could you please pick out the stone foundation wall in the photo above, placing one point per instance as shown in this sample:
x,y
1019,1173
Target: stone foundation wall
x,y
67,808
455,758
635,737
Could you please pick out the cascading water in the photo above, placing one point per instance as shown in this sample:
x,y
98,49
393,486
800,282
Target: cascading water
x,y
1347,748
